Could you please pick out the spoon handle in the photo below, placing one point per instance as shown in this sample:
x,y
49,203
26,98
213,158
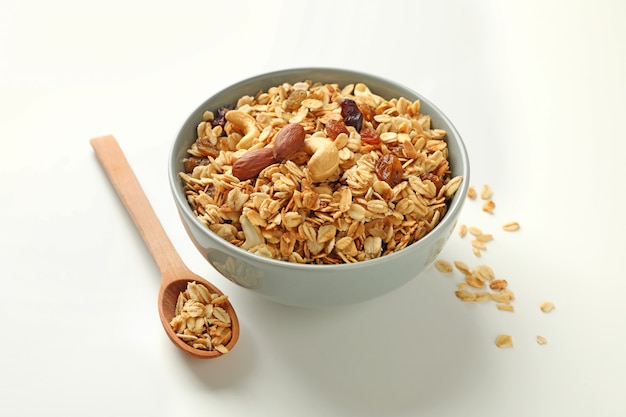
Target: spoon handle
x,y
129,190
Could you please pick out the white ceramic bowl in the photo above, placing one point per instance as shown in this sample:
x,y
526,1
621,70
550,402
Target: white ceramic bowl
x,y
317,285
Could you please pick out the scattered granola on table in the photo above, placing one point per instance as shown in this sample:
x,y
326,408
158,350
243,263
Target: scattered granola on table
x,y
473,287
510,226
352,177
547,306
486,192
443,266
504,341
489,206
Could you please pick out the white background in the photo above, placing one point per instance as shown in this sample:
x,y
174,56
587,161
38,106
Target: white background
x,y
537,90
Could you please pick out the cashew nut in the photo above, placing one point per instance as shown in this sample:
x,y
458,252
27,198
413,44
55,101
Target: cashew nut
x,y
324,159
252,232
246,124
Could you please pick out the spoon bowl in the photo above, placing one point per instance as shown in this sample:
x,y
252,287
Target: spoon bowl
x,y
168,294
174,273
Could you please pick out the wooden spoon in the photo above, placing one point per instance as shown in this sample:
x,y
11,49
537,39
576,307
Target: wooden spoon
x,y
174,273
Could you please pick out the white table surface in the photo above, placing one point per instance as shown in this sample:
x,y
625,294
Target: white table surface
x,y
537,90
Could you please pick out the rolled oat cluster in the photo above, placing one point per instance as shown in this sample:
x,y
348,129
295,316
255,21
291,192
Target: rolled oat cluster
x,y
351,177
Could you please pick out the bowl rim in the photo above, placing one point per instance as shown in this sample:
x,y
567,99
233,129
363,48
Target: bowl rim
x,y
454,206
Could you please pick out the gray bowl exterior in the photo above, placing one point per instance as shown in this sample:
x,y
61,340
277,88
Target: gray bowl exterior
x,y
317,285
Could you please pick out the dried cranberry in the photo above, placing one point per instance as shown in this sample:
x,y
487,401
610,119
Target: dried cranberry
x,y
351,114
389,169
220,120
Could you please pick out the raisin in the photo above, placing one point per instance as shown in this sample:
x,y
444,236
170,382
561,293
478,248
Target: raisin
x,y
193,161
389,169
435,179
190,164
370,136
351,114
292,103
220,120
335,127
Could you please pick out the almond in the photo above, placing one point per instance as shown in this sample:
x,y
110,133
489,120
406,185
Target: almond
x,y
252,162
288,141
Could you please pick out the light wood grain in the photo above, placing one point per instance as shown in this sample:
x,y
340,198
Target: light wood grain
x,y
174,273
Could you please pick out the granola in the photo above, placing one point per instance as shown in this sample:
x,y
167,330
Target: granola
x,y
200,320
472,288
546,306
504,341
356,190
